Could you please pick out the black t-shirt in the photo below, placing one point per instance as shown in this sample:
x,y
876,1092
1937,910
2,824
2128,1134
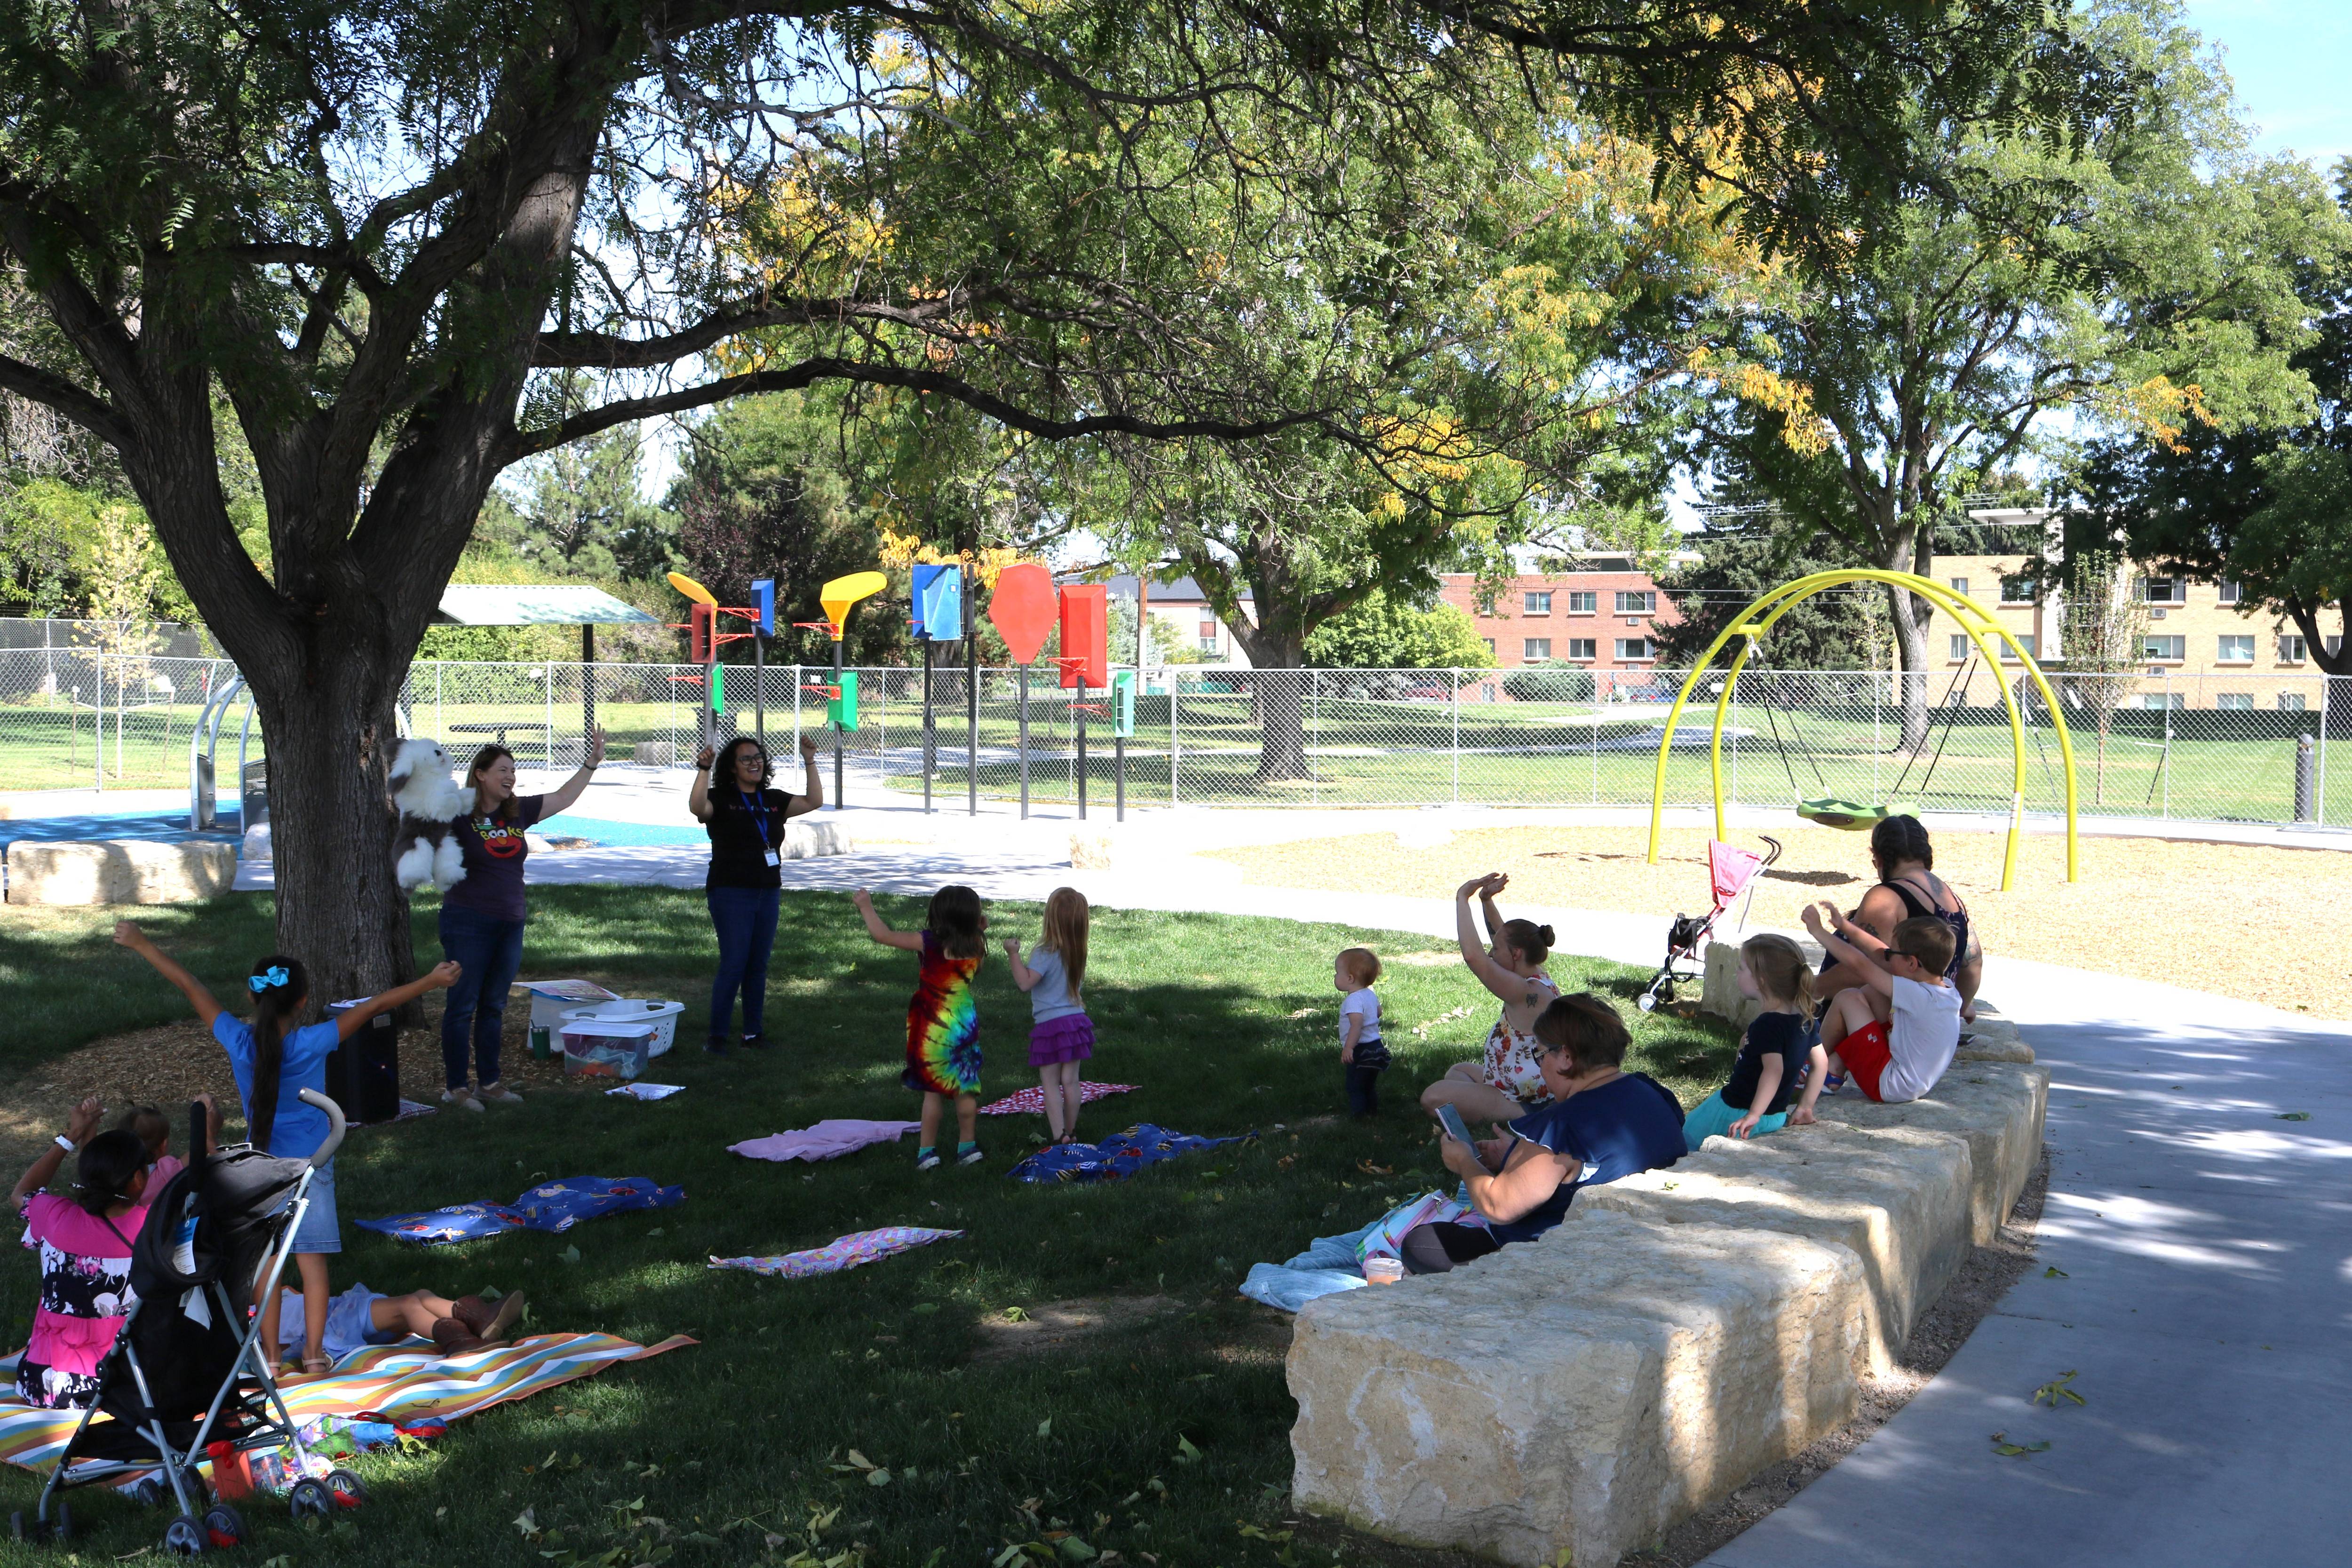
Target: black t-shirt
x,y
742,830
1778,1034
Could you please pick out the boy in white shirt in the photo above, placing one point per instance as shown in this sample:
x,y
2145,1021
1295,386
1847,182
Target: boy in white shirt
x,y
1362,1055
1894,1035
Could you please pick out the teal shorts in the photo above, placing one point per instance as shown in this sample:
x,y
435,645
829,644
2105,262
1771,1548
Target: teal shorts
x,y
1713,1119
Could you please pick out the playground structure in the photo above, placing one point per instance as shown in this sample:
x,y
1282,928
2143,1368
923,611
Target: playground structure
x,y
1760,618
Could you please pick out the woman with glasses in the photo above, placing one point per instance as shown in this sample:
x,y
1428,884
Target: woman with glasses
x,y
745,820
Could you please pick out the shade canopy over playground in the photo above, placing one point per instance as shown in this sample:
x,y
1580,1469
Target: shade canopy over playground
x,y
1981,628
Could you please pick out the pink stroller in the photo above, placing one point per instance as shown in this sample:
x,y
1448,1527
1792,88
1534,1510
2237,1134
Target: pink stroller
x,y
1728,869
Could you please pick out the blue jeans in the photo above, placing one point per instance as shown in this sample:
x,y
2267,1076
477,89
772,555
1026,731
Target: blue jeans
x,y
490,952
745,921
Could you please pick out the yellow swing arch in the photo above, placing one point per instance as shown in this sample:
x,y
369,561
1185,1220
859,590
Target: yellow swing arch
x,y
1760,618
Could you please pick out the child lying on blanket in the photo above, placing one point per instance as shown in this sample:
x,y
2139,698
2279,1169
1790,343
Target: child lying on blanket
x,y
363,1317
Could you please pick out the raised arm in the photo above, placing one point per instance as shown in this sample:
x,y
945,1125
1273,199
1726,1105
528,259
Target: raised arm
x,y
880,929
1493,882
562,797
1844,941
80,1122
1510,987
698,794
1022,975
128,934
348,1023
812,794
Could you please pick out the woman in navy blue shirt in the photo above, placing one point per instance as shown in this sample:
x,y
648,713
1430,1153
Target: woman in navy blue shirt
x,y
1602,1123
745,820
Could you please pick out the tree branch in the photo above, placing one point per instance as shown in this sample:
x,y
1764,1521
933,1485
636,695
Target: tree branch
x,y
86,409
522,444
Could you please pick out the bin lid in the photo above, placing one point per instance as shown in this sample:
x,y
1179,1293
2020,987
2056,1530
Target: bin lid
x,y
607,1030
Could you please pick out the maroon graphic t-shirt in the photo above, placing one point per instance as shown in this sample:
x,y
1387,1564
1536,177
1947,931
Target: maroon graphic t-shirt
x,y
494,847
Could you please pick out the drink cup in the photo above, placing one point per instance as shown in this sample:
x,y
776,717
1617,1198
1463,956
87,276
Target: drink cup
x,y
1381,1269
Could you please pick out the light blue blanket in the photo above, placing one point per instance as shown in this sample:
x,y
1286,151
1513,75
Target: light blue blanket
x,y
1328,1264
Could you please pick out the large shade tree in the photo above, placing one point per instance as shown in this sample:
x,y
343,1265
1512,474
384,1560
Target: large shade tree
x,y
387,231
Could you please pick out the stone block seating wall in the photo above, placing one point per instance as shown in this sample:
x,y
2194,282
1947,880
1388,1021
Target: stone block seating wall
x,y
1571,1398
815,839
117,871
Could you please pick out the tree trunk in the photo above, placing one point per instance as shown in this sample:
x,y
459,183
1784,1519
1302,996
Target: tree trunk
x,y
332,827
1282,722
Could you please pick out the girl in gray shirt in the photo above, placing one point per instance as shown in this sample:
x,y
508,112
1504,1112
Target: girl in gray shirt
x,y
1062,1035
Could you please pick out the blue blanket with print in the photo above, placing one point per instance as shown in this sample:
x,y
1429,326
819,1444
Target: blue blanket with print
x,y
1115,1158
552,1206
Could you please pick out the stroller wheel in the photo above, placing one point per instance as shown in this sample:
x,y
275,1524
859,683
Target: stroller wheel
x,y
149,1492
224,1526
184,1537
349,1490
309,1499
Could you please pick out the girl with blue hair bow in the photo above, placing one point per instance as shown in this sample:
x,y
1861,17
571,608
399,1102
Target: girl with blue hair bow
x,y
274,1062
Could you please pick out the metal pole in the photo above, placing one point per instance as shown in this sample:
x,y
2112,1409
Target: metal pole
x,y
930,737
1175,691
1119,746
2327,687
1024,742
547,695
1079,768
587,682
759,686
838,802
1455,688
971,696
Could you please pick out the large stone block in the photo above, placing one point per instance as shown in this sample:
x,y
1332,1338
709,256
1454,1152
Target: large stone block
x,y
1569,1399
815,838
1897,1198
1997,1106
119,871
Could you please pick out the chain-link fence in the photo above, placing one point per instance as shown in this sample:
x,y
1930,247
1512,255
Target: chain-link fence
x,y
2269,748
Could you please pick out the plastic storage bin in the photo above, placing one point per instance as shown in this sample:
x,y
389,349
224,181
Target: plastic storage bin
x,y
551,1000
663,1016
599,1048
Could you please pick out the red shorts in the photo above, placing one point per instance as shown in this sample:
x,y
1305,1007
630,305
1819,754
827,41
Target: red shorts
x,y
1865,1053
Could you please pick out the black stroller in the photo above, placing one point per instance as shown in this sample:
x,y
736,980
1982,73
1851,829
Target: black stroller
x,y
186,1374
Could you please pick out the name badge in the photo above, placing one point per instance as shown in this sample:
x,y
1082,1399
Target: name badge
x,y
772,860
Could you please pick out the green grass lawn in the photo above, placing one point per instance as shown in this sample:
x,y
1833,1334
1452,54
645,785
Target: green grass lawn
x,y
1166,1438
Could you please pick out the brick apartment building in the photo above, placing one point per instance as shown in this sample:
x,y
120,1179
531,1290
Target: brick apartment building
x,y
1601,616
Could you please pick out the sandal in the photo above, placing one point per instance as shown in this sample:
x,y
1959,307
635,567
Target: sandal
x,y
316,1366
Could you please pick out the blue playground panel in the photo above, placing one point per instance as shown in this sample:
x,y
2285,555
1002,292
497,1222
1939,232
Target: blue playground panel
x,y
172,827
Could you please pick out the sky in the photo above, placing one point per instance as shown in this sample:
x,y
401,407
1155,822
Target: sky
x,y
2289,59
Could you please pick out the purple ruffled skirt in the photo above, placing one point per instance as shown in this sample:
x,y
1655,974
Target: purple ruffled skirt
x,y
1069,1039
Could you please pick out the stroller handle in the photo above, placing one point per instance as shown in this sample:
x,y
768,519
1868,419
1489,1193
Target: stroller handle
x,y
334,1138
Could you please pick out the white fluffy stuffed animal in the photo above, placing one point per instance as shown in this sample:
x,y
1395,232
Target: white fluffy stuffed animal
x,y
430,802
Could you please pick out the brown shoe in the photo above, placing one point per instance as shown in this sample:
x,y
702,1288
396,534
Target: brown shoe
x,y
489,1320
451,1337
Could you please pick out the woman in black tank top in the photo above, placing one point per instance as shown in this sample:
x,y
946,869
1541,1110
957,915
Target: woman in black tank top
x,y
1908,888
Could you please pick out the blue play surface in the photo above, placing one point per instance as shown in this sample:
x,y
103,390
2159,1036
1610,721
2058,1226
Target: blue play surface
x,y
173,826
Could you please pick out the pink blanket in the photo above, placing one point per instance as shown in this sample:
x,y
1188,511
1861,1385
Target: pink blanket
x,y
1031,1102
829,1139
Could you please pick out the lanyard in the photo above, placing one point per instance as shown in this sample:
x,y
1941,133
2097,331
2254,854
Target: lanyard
x,y
758,806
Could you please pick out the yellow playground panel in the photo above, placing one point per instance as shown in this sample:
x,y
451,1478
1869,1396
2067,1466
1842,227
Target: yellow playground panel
x,y
1760,618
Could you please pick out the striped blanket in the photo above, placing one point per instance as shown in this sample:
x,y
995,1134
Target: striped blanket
x,y
404,1384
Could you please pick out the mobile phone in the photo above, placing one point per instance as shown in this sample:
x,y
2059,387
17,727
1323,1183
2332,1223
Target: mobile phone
x,y
1455,1128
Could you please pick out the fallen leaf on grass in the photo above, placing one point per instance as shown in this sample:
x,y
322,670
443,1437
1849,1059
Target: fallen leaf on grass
x,y
568,1255
2054,1272
528,1523
2007,1449
1185,1453
2292,1116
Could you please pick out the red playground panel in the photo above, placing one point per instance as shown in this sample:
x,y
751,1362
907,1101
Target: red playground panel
x,y
1085,635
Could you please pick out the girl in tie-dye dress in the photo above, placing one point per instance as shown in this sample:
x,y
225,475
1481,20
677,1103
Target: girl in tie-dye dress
x,y
943,1018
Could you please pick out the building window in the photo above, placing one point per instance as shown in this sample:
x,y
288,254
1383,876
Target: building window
x,y
2333,645
1490,645
1539,604
2229,591
1636,603
1632,649
1959,585
2237,649
2008,653
2293,649
2160,700
2163,591
2292,702
1959,646
2174,647
2234,701
1583,648
2016,588
1535,649
1583,604
1208,634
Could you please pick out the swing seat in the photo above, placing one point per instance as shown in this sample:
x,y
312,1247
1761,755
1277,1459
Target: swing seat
x,y
1830,812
